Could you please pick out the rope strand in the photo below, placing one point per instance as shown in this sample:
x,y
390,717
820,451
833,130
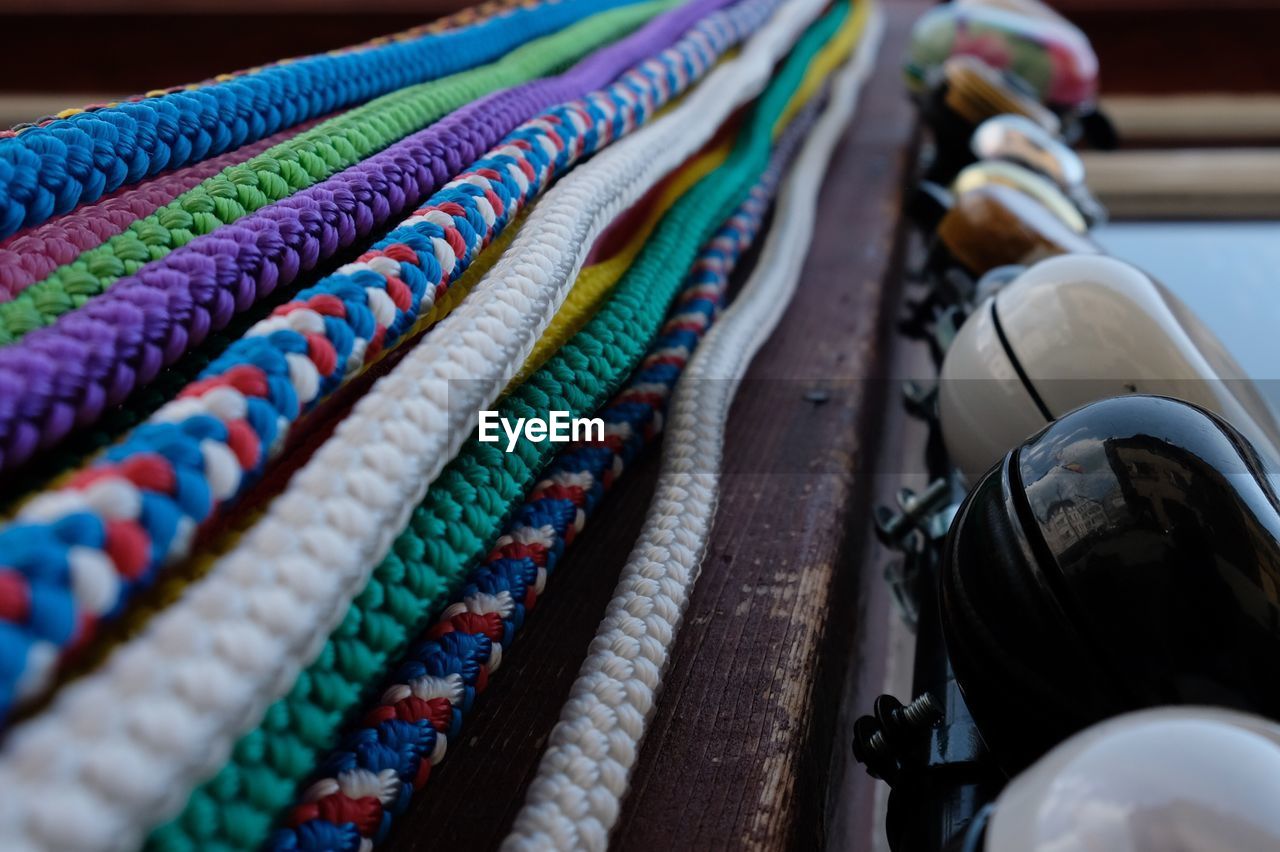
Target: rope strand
x,y
434,688
80,551
301,162
575,799
122,339
236,807
462,18
34,254
46,171
163,711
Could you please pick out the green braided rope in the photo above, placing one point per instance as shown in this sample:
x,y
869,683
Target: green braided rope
x,y
302,161
463,512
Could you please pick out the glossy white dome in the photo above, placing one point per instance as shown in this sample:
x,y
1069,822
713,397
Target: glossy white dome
x,y
1075,329
1165,780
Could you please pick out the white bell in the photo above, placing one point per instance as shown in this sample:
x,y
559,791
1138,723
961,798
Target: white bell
x,y
1189,779
1075,329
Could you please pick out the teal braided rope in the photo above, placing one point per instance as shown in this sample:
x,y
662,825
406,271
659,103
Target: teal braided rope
x,y
301,162
463,512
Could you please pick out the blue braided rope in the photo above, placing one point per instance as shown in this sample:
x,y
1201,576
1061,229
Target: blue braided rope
x,y
46,171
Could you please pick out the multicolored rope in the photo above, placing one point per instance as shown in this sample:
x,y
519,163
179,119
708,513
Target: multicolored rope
x,y
456,523
386,758
76,554
46,171
237,808
576,797
305,160
93,357
31,255
120,747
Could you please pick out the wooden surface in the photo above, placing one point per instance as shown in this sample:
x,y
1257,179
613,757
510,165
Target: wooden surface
x,y
785,635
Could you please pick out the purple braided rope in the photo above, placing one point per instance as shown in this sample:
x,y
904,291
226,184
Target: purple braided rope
x,y
65,375
32,255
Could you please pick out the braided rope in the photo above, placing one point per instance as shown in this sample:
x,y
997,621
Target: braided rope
x,y
79,552
223,536
457,20
118,748
53,470
575,798
34,254
429,556
308,158
387,757
46,171
454,525
235,808
43,472
147,321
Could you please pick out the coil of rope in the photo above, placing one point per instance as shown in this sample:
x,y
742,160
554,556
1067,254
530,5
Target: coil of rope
x,y
575,798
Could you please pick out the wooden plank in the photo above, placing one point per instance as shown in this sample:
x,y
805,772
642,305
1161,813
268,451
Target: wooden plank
x,y
750,742
1201,119
1242,183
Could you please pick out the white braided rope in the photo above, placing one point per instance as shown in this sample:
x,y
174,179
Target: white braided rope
x,y
119,750
575,799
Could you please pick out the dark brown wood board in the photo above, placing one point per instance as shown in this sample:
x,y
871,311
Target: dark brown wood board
x,y
784,637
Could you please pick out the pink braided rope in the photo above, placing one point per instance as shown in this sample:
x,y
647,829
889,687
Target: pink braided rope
x,y
32,255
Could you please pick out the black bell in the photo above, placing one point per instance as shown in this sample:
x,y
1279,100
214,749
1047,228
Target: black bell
x,y
1126,556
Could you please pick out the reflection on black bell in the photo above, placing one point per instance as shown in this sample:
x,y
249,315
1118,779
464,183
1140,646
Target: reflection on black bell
x,y
1126,556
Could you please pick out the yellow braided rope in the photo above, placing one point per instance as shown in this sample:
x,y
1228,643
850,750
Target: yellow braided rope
x,y
596,281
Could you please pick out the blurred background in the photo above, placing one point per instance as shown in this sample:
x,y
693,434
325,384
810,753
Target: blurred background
x,y
65,52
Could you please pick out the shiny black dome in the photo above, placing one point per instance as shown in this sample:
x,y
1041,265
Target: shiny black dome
x,y
1126,556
